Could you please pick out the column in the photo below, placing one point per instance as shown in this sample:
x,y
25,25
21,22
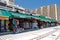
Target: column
x,y
56,11
48,7
2,26
41,10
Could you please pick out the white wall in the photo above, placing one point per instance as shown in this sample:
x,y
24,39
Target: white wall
x,y
56,11
9,3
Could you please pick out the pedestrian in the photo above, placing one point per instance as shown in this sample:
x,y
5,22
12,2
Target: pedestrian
x,y
35,25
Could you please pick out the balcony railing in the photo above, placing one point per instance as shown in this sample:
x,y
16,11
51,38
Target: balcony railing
x,y
21,11
6,8
3,7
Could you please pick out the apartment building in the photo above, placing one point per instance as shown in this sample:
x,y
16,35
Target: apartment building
x,y
48,11
52,12
34,12
58,16
45,10
8,2
27,10
9,5
4,3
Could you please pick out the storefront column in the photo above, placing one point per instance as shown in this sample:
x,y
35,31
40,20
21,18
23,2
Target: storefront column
x,y
42,25
39,24
11,24
2,26
24,25
30,24
7,25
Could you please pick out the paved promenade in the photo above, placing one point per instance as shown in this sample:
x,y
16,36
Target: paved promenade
x,y
52,33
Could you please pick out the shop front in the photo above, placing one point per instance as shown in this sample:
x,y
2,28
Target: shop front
x,y
35,22
17,22
53,22
4,21
45,22
21,21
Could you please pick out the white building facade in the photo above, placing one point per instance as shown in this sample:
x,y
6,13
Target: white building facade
x,y
48,11
9,5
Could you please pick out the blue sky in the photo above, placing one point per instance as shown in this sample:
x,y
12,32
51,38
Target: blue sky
x,y
32,4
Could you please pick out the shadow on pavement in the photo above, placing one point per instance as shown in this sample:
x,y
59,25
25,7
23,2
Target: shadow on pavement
x,y
27,30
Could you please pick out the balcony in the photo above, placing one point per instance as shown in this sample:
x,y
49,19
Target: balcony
x,y
6,8
2,1
21,11
10,3
3,7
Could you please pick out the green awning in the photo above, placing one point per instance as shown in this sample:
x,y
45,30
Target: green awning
x,y
53,20
36,17
4,13
43,18
20,15
27,16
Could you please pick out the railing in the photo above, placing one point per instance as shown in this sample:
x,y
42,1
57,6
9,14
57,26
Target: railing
x,y
12,9
21,11
3,7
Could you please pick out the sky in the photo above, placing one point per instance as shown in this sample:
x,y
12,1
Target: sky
x,y
33,4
